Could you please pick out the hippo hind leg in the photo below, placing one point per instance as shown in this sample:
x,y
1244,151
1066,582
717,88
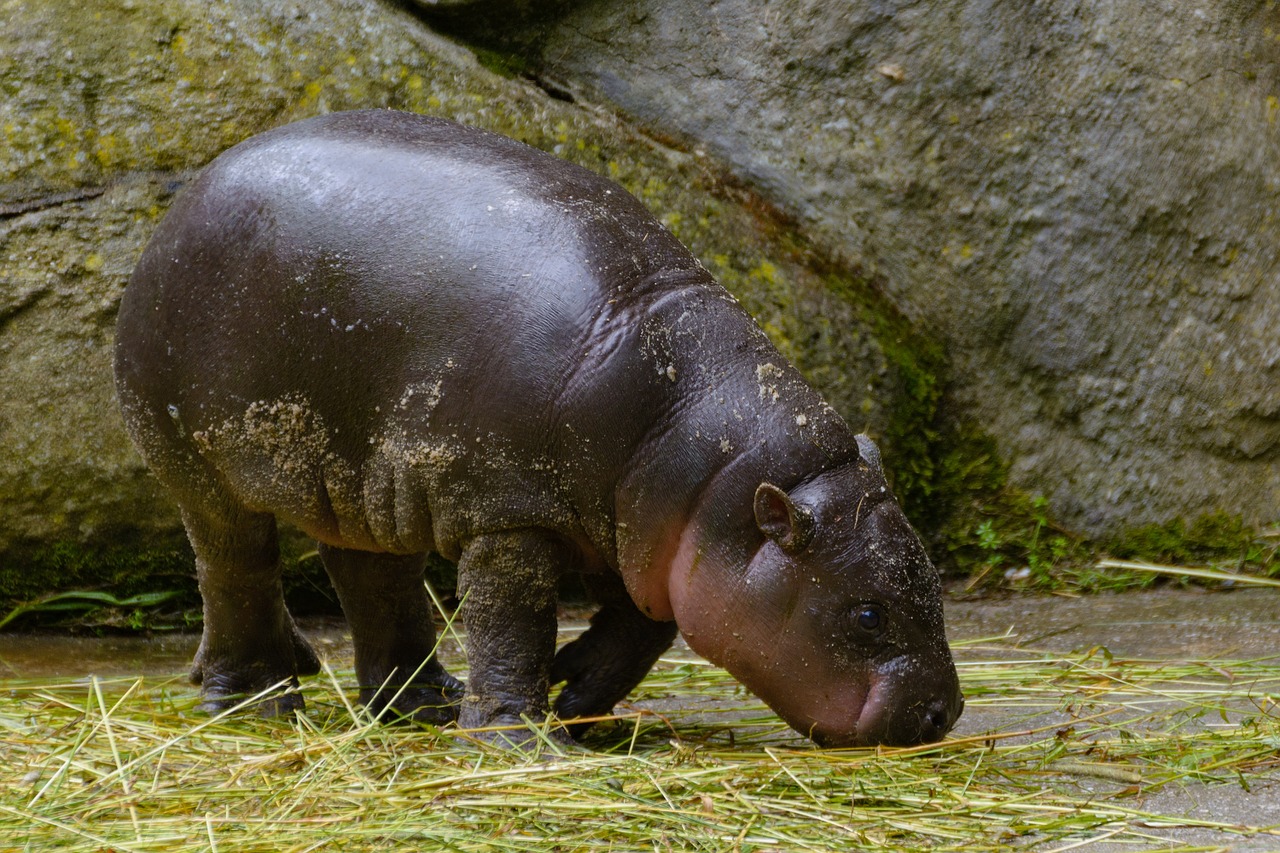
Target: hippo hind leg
x,y
250,642
604,664
385,600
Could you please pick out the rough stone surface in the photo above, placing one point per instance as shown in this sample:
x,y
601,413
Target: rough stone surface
x,y
105,108
1078,197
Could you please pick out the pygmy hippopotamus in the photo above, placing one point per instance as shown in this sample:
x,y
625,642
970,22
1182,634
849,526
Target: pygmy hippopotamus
x,y
405,336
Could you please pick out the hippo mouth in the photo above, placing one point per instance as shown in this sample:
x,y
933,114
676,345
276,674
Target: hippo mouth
x,y
880,718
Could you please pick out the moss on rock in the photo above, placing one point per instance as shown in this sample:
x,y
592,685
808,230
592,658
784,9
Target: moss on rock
x,y
1217,537
120,563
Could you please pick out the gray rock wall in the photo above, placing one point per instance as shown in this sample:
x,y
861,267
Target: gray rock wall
x,y
1078,198
105,108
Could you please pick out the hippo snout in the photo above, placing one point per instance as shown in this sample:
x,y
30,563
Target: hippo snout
x,y
887,718
906,723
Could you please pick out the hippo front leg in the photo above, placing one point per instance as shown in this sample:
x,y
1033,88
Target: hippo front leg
x,y
603,665
508,582
385,600
250,642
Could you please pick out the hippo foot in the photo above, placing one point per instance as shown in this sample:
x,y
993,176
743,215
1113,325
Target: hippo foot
x,y
223,688
508,731
578,730
434,704
287,701
227,681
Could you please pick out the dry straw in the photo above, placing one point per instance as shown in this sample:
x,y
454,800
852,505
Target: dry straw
x,y
1082,749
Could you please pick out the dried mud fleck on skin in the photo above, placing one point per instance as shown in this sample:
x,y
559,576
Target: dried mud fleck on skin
x,y
433,456
430,390
283,448
769,389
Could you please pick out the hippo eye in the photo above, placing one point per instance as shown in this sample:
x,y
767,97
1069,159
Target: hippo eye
x,y
868,618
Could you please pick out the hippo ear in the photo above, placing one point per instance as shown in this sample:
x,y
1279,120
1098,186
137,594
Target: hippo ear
x,y
869,452
783,520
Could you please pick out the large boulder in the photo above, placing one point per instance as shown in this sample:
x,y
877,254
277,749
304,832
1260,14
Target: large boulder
x,y
1078,198
107,109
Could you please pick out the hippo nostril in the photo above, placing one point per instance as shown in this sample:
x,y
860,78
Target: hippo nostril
x,y
938,717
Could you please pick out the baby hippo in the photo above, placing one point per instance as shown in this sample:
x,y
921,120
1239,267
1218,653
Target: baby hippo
x,y
405,336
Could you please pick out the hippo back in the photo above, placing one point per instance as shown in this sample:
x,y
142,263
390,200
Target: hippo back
x,y
393,308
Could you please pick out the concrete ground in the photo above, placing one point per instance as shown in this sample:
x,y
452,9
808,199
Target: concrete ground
x,y
1166,625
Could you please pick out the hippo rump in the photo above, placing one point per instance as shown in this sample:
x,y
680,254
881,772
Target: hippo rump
x,y
404,336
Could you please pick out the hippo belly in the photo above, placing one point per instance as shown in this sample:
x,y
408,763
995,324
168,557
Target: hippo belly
x,y
405,336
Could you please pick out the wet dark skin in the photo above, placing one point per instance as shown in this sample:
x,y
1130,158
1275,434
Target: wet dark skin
x,y
405,336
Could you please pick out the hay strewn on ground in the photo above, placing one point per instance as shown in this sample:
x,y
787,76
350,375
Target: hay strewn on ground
x,y
1085,745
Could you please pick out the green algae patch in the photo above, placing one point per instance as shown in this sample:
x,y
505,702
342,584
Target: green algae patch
x,y
1219,540
144,85
1009,539
503,64
1208,538
111,585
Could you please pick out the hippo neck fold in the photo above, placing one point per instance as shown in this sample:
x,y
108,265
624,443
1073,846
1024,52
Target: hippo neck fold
x,y
733,414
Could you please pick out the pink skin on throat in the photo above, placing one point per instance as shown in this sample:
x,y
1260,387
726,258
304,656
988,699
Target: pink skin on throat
x,y
835,714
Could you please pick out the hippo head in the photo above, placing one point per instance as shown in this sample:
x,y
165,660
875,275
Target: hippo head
x,y
836,621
